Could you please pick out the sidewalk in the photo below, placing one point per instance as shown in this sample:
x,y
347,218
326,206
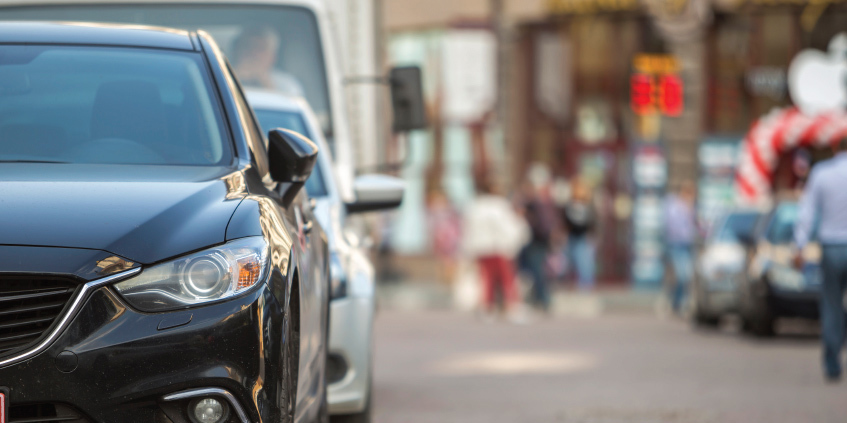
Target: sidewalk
x,y
429,295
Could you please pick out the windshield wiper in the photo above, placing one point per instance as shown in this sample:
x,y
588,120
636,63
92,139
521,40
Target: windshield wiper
x,y
34,161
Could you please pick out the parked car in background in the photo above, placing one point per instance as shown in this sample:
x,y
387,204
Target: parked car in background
x,y
353,286
773,288
720,266
158,262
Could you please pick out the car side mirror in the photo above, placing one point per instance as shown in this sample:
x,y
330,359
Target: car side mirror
x,y
376,192
291,157
407,99
746,239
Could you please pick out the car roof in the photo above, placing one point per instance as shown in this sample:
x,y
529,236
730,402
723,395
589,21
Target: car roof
x,y
97,34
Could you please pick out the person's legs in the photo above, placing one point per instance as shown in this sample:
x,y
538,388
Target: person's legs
x,y
682,263
582,253
536,258
506,279
832,307
486,276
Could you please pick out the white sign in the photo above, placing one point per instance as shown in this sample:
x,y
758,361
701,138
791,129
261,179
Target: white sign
x,y
469,67
818,81
552,75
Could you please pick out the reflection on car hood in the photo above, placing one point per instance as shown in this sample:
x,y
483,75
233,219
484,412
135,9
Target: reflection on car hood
x,y
784,253
724,253
143,213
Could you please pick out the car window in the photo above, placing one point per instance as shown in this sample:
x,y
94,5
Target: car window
x,y
271,46
108,105
272,119
736,225
781,227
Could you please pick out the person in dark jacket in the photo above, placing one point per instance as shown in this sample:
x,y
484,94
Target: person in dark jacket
x,y
540,215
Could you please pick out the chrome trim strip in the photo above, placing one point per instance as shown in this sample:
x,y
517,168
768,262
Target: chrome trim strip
x,y
68,315
194,393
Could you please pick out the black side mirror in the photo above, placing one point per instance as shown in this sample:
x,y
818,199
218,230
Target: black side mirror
x,y
746,239
407,99
292,158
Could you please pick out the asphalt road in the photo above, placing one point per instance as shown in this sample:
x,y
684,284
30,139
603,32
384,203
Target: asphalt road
x,y
450,367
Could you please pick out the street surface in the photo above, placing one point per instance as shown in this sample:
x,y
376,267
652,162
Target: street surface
x,y
450,367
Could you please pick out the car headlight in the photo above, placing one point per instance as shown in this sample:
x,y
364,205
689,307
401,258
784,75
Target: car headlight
x,y
785,277
338,277
210,275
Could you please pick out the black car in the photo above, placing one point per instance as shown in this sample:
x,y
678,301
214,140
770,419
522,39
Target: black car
x,y
158,260
774,288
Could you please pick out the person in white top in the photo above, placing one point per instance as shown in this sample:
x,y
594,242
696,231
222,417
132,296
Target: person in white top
x,y
493,234
255,55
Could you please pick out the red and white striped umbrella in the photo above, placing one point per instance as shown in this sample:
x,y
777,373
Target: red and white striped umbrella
x,y
779,131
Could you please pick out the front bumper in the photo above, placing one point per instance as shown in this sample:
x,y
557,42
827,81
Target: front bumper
x,y
802,303
115,364
720,295
350,338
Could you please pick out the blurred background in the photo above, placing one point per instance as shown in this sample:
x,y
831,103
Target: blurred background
x,y
631,98
597,224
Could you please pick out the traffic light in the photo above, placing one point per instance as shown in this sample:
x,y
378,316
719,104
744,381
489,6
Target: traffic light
x,y
670,95
641,93
648,96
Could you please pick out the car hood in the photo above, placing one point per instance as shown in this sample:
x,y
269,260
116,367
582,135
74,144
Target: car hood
x,y
142,213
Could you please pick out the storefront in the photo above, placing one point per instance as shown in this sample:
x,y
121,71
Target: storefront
x,y
575,110
750,46
572,104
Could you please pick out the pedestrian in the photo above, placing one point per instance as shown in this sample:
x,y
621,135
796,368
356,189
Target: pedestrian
x,y
493,234
540,215
823,216
444,223
579,218
680,236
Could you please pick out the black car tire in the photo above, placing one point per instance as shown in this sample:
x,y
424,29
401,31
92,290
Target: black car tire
x,y
323,413
757,318
291,356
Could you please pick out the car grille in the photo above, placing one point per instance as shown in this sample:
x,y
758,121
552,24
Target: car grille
x,y
28,308
43,413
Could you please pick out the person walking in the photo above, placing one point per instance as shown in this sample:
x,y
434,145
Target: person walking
x,y
540,215
579,219
823,216
680,236
493,234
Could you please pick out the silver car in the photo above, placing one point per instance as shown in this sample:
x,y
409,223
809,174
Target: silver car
x,y
352,291
721,266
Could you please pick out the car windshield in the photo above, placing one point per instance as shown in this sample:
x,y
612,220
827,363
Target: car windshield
x,y
781,227
270,46
75,104
734,225
272,119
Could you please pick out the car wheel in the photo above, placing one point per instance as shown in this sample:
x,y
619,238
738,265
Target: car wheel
x,y
365,415
701,315
757,318
323,413
291,357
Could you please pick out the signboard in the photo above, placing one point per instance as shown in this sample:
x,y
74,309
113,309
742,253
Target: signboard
x,y
590,6
469,67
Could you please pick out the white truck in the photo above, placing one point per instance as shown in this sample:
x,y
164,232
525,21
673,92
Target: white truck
x,y
322,50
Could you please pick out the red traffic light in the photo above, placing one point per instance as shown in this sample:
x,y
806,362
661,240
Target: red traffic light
x,y
671,101
641,93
